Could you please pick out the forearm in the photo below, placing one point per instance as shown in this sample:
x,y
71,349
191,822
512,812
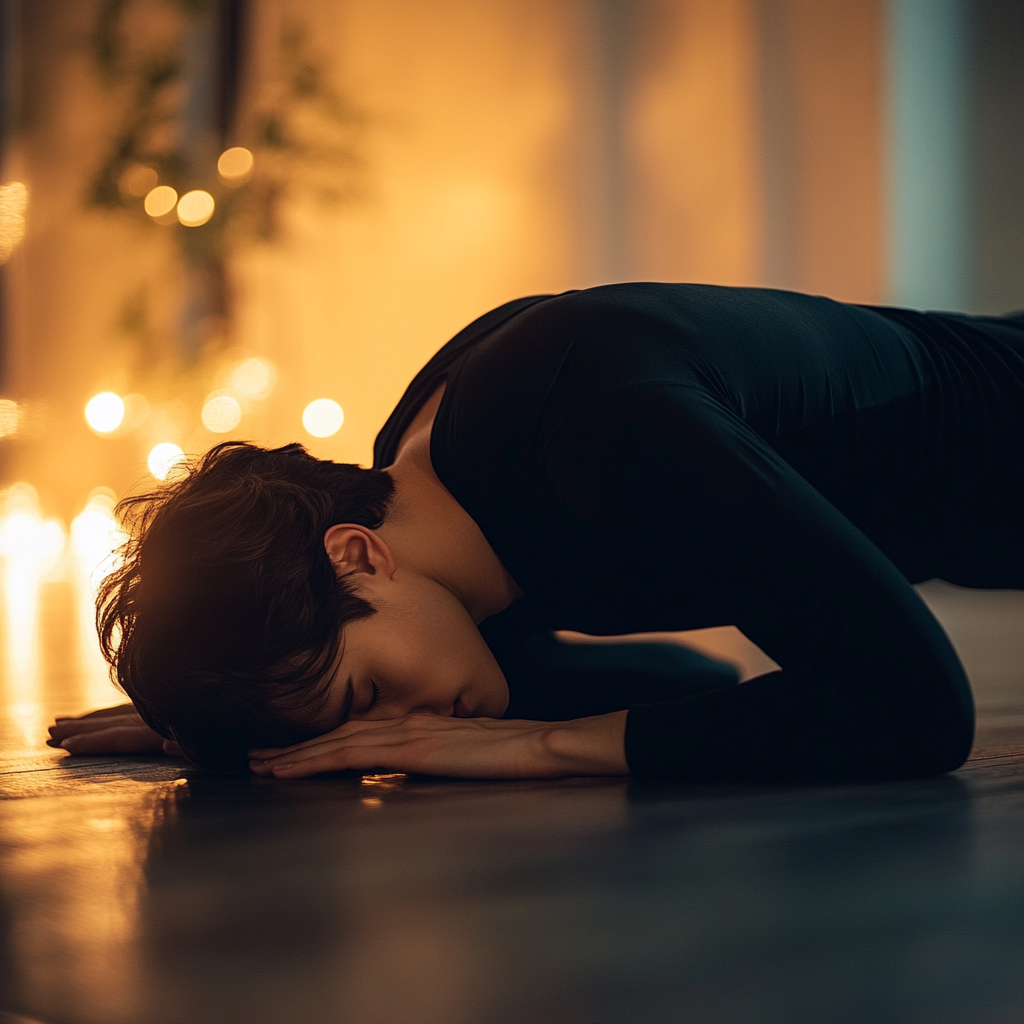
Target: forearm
x,y
806,727
588,746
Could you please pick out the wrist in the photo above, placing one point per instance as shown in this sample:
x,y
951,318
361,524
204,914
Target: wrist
x,y
589,746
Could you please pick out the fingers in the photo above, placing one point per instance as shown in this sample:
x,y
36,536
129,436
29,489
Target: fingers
x,y
396,756
479,748
415,743
384,738
120,709
343,731
65,727
113,740
382,744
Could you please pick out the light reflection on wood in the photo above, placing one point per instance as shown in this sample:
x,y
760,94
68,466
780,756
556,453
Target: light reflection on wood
x,y
78,881
48,585
31,550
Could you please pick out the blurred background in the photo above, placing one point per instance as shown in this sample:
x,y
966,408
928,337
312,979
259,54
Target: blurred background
x,y
258,218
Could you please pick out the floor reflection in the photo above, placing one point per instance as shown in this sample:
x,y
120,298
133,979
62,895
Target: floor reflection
x,y
31,549
72,883
38,558
136,891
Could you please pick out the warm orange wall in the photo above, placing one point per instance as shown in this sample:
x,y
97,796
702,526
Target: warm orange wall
x,y
66,282
829,61
475,166
695,200
489,178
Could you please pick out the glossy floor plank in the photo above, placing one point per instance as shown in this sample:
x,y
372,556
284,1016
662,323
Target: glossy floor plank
x,y
136,891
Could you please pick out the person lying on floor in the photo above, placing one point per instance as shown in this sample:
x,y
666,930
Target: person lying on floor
x,y
622,459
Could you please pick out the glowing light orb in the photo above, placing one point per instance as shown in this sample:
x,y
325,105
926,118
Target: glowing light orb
x,y
136,181
96,536
163,458
104,412
160,201
10,417
221,413
254,378
323,417
30,545
136,411
235,165
13,203
195,208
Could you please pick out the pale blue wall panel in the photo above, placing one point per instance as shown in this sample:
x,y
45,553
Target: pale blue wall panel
x,y
929,191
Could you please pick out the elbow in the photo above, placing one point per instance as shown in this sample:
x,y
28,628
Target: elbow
x,y
938,739
952,743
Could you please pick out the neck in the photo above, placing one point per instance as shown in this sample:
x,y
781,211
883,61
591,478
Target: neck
x,y
431,534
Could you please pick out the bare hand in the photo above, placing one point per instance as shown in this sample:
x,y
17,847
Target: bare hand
x,y
118,730
476,748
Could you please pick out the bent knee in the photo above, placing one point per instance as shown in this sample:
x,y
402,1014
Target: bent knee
x,y
942,739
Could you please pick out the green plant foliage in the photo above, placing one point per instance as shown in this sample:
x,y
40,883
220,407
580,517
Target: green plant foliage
x,y
307,138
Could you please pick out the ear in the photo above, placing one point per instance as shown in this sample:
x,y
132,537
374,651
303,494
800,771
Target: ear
x,y
355,549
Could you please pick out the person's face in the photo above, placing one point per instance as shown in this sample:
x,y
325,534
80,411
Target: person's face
x,y
419,651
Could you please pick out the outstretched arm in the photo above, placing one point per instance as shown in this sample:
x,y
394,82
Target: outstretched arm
x,y
721,529
117,730
477,748
575,696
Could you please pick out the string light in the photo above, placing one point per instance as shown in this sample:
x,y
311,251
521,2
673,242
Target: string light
x,y
136,181
221,413
195,208
95,537
160,201
254,378
30,554
136,411
323,417
104,412
235,165
163,458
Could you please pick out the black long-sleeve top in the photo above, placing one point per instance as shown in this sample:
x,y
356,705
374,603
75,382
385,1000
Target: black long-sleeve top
x,y
668,457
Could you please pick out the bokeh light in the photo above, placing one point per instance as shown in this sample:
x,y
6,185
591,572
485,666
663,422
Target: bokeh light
x,y
33,544
163,458
160,201
136,411
104,412
11,415
195,208
221,413
136,181
30,554
235,165
254,378
323,417
95,537
13,203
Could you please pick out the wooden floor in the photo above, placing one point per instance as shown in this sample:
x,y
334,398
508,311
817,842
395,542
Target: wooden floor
x,y
138,891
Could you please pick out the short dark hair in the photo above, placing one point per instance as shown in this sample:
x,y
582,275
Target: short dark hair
x,y
225,613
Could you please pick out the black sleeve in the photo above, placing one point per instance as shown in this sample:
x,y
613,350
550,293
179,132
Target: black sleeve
x,y
552,681
712,527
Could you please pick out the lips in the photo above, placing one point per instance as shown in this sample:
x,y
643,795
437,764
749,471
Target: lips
x,y
460,710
